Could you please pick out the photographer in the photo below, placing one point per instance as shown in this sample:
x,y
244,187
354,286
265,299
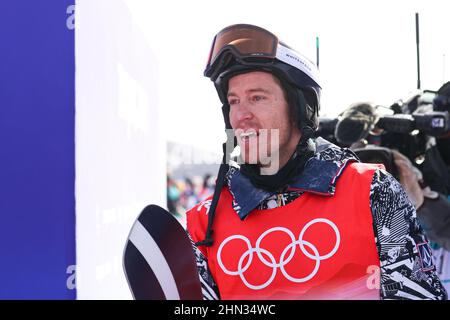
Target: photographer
x,y
442,102
357,123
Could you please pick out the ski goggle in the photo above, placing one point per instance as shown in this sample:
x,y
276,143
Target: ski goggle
x,y
246,42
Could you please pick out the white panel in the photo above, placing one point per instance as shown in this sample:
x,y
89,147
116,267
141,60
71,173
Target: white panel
x,y
120,151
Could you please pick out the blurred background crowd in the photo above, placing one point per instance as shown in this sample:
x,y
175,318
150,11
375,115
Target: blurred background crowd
x,y
184,193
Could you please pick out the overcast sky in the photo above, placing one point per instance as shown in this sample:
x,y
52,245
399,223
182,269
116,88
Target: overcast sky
x,y
367,52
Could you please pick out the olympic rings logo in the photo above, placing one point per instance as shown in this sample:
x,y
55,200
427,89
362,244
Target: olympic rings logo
x,y
286,255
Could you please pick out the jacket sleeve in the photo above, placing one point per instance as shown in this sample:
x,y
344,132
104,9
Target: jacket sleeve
x,y
210,290
407,270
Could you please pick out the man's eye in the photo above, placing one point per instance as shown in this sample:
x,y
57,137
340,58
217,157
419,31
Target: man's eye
x,y
258,98
233,101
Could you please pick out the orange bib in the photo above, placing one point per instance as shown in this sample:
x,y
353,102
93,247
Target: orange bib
x,y
316,247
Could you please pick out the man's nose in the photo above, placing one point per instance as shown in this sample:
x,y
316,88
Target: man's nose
x,y
243,112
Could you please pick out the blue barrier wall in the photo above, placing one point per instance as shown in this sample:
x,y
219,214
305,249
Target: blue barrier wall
x,y
37,169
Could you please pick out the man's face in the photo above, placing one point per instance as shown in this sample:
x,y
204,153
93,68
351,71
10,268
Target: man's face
x,y
257,102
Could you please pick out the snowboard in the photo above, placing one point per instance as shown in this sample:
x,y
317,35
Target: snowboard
x,y
158,259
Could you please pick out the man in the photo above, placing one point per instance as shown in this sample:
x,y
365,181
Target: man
x,y
300,218
442,103
441,250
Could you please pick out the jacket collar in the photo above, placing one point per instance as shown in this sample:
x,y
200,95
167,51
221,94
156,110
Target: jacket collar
x,y
329,160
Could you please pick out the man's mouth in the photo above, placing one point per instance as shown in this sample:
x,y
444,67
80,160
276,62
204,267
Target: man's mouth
x,y
246,136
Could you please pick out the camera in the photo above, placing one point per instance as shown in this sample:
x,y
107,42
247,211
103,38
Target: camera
x,y
417,128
